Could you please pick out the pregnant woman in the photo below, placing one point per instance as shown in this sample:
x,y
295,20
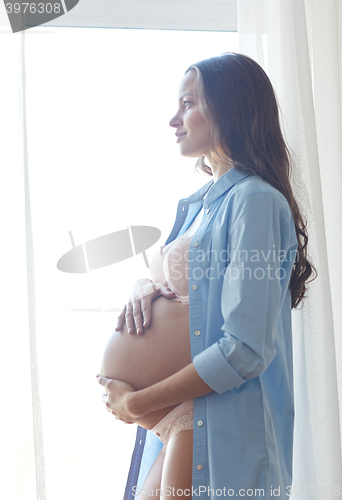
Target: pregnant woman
x,y
207,367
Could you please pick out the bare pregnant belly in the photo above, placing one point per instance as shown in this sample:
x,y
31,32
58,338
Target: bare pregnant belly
x,y
143,360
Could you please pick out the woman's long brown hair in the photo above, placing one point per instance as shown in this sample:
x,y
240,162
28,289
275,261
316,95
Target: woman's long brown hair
x,y
237,99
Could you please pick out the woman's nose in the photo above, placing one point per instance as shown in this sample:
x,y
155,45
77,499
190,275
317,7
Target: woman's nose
x,y
175,121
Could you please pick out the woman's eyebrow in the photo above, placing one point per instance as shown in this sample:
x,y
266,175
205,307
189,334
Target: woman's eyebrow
x,y
181,97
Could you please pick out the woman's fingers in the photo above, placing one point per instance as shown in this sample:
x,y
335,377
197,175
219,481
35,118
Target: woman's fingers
x,y
167,292
121,320
147,299
137,316
103,381
129,318
142,310
146,311
138,311
146,303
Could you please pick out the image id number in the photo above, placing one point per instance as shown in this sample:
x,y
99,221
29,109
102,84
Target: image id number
x,y
33,8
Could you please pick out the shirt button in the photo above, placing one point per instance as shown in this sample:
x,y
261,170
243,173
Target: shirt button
x,y
196,244
207,211
200,423
194,287
200,467
197,332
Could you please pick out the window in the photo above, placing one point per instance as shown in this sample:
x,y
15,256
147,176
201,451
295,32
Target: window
x,y
213,15
101,157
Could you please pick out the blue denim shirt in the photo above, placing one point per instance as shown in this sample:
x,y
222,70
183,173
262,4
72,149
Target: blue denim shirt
x,y
240,263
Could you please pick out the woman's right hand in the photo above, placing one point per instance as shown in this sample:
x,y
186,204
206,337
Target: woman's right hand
x,y
138,309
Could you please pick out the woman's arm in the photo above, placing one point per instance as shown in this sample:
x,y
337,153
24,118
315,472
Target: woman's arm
x,y
182,385
262,246
129,405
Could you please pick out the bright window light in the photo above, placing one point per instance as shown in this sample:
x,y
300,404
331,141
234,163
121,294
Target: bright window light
x,y
101,157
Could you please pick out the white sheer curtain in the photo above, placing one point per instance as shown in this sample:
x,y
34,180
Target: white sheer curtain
x,y
299,46
22,455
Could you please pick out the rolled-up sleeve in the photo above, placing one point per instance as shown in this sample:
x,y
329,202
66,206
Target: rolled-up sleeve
x,y
261,248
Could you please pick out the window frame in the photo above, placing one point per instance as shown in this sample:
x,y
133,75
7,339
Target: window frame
x,y
191,15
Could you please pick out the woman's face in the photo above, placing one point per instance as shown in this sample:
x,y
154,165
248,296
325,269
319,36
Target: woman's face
x,y
193,132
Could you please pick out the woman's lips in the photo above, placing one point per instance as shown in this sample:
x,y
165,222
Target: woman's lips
x,y
179,137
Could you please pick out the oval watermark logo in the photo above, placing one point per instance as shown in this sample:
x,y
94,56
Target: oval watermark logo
x,y
25,15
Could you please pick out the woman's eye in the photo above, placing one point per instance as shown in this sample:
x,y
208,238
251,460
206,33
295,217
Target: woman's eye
x,y
186,103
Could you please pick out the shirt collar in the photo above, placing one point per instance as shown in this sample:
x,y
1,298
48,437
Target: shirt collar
x,y
212,190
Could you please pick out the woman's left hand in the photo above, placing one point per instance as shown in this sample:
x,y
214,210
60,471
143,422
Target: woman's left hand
x,y
117,399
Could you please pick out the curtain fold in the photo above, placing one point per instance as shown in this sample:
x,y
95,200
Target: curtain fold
x,y
22,465
31,294
297,45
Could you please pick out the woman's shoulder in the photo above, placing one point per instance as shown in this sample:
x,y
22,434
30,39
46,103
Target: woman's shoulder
x,y
255,186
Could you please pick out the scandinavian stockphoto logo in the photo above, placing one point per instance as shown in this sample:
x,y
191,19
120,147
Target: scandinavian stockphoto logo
x,y
25,15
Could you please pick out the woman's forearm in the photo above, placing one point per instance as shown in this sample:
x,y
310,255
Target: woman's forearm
x,y
183,385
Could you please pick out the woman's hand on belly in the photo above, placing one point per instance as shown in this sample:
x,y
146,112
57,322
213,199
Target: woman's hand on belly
x,y
137,310
117,399
143,360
